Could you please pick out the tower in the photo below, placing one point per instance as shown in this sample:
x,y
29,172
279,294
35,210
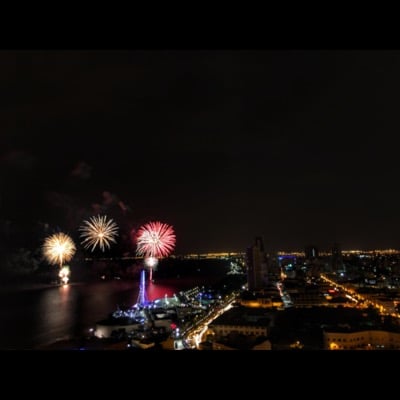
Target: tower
x,y
311,252
337,260
256,265
142,297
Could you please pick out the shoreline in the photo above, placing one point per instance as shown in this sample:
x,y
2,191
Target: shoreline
x,y
21,287
183,281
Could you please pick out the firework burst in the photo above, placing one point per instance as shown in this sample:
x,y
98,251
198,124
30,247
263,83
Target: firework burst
x,y
58,248
98,231
155,239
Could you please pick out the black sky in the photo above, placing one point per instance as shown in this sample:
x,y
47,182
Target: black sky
x,y
297,146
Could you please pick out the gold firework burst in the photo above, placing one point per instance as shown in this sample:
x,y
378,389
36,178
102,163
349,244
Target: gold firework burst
x,y
98,231
58,248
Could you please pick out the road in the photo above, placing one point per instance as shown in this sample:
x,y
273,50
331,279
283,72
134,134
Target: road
x,y
192,336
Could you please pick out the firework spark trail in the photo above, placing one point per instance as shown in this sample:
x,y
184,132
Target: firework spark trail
x,y
151,262
58,248
98,232
64,275
155,239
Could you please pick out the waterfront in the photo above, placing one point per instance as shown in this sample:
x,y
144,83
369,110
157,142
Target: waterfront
x,y
36,317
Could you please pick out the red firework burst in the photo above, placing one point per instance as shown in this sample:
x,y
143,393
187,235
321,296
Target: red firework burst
x,y
155,239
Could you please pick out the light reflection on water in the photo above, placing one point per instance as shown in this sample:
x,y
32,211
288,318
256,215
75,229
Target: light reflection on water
x,y
32,318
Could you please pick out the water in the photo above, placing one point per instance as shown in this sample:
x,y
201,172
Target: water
x,y
31,318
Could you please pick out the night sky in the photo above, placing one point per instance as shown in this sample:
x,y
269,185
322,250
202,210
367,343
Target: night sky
x,y
299,147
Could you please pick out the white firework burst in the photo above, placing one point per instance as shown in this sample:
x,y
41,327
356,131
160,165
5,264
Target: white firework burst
x,y
98,231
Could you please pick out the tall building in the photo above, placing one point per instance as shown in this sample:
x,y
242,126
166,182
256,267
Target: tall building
x,y
336,259
256,261
311,252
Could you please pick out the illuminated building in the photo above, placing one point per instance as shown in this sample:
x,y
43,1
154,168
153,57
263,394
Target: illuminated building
x,y
142,297
340,339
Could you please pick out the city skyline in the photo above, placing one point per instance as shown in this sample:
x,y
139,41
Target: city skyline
x,y
294,146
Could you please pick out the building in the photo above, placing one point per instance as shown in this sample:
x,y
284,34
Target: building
x,y
336,258
265,345
311,252
345,339
263,298
242,321
256,261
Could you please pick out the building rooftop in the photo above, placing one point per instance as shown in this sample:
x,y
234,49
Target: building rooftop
x,y
245,316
